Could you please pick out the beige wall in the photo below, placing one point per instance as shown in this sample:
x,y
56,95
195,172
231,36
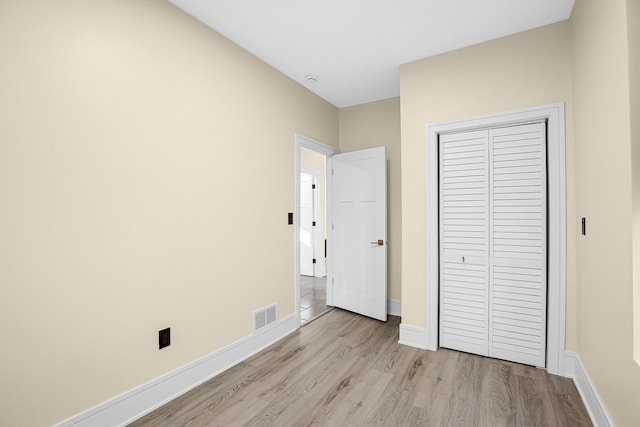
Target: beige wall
x,y
633,21
373,125
603,196
131,143
136,146
524,70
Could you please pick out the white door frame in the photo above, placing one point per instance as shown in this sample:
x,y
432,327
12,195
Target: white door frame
x,y
554,115
319,269
301,141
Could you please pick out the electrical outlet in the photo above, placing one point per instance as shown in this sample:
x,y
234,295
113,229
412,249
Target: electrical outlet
x,y
164,338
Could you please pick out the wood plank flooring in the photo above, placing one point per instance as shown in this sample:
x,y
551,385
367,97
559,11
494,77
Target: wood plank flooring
x,y
347,370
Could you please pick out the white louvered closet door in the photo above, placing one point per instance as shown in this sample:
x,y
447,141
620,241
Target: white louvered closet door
x,y
493,242
464,238
518,244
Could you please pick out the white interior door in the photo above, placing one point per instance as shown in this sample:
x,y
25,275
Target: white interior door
x,y
493,242
306,224
359,235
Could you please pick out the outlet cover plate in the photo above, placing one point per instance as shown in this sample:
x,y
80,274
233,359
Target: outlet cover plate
x,y
164,338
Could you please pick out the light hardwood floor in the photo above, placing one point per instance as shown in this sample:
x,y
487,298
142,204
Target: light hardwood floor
x,y
347,370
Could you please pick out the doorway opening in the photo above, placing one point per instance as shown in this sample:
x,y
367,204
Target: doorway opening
x,y
312,254
353,259
311,228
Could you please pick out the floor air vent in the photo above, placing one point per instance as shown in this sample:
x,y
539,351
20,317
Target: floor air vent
x,y
264,316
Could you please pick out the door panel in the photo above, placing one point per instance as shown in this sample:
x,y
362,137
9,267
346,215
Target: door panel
x,y
518,285
464,215
359,220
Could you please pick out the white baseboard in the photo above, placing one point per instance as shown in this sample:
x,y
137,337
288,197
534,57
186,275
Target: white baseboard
x,y
140,401
575,369
413,337
394,307
570,364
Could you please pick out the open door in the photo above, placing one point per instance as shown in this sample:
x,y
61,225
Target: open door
x,y
359,232
306,224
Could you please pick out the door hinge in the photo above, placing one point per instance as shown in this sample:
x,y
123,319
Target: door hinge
x,y
313,224
313,186
314,260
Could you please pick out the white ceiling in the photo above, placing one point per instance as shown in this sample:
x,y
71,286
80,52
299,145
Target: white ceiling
x,y
356,46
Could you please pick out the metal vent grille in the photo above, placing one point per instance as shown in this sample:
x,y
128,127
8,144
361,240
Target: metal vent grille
x,y
264,316
259,320
271,314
